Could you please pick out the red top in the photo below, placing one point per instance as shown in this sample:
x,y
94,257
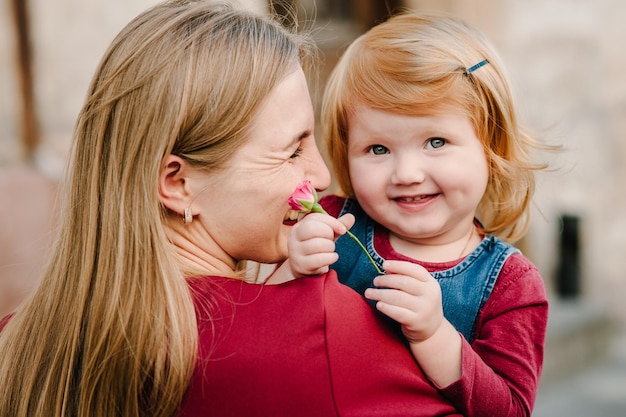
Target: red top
x,y
314,347
309,347
502,367
306,348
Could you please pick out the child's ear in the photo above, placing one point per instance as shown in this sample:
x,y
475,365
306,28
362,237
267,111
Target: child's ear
x,y
174,192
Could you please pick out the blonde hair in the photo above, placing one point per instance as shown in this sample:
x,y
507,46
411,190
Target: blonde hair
x,y
416,64
111,330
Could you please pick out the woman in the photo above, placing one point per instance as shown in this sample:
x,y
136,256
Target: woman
x,y
197,128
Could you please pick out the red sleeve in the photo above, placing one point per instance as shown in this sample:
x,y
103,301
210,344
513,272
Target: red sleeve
x,y
332,204
502,367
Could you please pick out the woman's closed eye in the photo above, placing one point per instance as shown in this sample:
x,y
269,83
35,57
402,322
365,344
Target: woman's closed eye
x,y
297,153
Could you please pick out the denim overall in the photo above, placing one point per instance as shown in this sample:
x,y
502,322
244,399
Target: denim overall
x,y
464,288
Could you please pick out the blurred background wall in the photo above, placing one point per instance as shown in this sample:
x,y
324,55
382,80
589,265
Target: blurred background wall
x,y
566,59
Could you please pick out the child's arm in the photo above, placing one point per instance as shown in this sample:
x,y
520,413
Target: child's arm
x,y
311,246
501,369
412,297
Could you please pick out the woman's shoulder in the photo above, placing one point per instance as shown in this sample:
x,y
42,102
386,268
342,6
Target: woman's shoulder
x,y
305,334
217,296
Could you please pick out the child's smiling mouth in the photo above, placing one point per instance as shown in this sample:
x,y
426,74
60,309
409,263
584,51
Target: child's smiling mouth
x,y
413,199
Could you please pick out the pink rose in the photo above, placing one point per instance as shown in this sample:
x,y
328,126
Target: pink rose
x,y
304,200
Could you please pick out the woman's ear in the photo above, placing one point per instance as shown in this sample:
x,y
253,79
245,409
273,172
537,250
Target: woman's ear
x,y
174,192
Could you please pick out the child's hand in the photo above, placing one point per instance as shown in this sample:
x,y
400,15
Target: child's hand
x,y
311,243
411,296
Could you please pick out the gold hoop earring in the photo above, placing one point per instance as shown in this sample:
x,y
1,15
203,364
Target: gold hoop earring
x,y
188,218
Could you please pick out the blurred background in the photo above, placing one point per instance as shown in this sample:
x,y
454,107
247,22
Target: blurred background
x,y
567,62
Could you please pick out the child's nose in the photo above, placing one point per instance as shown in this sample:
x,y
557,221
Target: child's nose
x,y
408,169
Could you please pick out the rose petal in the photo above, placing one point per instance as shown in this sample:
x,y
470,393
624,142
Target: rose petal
x,y
304,198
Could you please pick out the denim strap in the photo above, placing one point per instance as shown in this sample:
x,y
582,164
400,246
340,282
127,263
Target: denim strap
x,y
465,288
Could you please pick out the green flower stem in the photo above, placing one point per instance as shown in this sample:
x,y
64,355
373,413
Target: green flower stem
x,y
319,209
358,242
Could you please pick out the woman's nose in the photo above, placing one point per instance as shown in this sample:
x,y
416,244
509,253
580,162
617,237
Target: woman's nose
x,y
317,171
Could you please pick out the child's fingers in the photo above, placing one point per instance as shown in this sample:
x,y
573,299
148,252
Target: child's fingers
x,y
324,225
316,225
347,220
400,314
316,246
398,298
408,269
403,283
318,263
397,305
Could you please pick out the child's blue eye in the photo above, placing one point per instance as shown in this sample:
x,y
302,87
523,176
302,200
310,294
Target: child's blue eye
x,y
378,150
436,142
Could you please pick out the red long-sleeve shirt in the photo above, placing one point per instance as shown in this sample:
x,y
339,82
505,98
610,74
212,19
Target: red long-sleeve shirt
x,y
310,347
502,367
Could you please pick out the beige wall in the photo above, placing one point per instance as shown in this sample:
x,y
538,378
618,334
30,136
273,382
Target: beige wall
x,y
8,88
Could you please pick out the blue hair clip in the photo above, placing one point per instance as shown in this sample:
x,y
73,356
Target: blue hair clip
x,y
475,67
